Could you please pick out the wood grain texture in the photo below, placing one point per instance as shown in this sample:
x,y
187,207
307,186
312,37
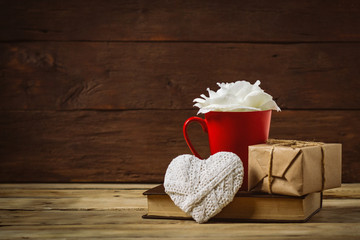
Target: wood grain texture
x,y
73,200
339,217
347,191
97,91
160,230
137,146
160,20
70,76
93,186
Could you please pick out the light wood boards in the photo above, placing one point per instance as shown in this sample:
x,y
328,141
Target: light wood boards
x,y
339,217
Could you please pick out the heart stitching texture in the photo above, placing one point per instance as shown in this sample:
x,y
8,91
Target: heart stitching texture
x,y
202,188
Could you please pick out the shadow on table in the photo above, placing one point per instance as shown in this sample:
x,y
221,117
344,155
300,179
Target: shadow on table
x,y
341,214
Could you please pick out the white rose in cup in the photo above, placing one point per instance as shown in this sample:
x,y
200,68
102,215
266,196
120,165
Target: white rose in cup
x,y
240,96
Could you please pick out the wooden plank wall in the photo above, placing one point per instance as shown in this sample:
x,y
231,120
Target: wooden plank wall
x,y
97,91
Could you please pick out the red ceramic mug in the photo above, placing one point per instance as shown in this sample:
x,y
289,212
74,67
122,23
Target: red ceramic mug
x,y
233,132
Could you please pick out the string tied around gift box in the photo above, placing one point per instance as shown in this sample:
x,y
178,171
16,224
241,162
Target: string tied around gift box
x,y
294,144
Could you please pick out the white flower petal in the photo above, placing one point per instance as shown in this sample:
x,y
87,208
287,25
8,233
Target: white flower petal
x,y
270,105
237,96
200,100
257,99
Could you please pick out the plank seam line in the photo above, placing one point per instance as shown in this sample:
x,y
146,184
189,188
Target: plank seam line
x,y
73,189
180,41
137,209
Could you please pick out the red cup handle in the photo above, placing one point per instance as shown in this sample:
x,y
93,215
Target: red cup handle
x,y
204,127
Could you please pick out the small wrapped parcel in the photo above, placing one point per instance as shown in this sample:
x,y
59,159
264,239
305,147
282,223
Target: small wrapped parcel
x,y
294,168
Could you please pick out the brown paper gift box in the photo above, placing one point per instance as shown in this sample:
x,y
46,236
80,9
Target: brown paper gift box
x,y
296,168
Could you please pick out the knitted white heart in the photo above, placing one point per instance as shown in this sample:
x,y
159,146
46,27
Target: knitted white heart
x,y
202,188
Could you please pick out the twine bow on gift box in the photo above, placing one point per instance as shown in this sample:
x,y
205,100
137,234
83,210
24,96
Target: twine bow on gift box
x,y
294,144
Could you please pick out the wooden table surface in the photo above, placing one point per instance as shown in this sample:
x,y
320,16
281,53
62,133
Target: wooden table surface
x,y
113,211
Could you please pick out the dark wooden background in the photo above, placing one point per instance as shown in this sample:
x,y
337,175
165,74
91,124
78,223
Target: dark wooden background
x,y
97,91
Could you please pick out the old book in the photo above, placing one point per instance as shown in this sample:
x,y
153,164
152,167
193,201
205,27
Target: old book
x,y
246,207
